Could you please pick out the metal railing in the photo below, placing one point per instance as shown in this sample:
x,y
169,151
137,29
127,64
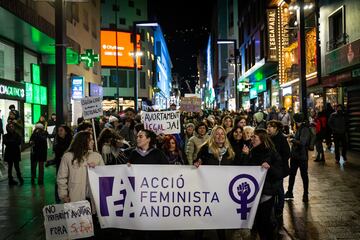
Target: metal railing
x,y
338,42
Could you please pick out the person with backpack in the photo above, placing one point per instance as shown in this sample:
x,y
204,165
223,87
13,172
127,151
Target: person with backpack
x,y
299,156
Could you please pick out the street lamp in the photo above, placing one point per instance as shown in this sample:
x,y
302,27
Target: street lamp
x,y
135,25
233,41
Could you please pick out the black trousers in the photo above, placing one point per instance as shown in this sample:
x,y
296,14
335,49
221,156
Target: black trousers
x,y
340,140
17,169
303,165
263,223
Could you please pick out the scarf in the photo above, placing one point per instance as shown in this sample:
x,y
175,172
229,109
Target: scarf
x,y
143,153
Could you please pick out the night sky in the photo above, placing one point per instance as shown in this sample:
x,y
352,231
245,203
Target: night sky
x,y
186,27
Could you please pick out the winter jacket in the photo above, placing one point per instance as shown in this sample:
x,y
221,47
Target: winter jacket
x,y
320,125
128,134
337,123
59,148
193,147
72,178
151,156
300,143
207,158
257,156
283,149
39,148
12,142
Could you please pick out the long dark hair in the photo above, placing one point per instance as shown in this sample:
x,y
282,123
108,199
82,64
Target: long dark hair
x,y
80,146
105,135
265,138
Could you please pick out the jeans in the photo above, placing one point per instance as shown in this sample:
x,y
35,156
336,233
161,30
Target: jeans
x,y
319,147
34,164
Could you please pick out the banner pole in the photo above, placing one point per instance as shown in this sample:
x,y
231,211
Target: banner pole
x,y
93,126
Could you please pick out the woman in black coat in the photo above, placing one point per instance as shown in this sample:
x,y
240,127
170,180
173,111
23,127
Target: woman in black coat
x,y
62,142
38,140
274,129
236,140
263,153
12,141
217,150
145,151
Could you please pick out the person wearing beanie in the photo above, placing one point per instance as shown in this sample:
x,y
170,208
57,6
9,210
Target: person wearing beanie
x,y
38,141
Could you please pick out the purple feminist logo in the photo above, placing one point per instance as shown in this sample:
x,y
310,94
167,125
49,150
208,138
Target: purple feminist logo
x,y
242,193
106,186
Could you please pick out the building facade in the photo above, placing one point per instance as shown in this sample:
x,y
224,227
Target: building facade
x,y
340,58
27,56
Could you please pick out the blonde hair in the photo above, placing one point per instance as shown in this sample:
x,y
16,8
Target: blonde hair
x,y
214,148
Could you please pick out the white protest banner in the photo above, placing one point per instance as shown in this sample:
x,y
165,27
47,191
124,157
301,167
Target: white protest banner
x,y
68,221
190,104
91,107
167,122
163,197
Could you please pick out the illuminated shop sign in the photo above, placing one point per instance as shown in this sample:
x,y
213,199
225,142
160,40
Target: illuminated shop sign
x,y
272,35
253,93
35,73
12,91
124,48
35,94
77,87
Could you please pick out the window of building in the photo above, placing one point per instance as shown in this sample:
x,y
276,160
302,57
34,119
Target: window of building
x,y
131,79
112,25
7,61
122,21
337,31
29,58
142,80
131,3
86,19
75,11
231,13
94,28
122,79
104,80
138,12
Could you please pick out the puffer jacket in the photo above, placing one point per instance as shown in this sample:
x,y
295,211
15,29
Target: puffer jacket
x,y
193,147
72,179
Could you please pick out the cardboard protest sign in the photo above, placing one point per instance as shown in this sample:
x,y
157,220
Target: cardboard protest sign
x,y
167,122
68,221
91,107
190,104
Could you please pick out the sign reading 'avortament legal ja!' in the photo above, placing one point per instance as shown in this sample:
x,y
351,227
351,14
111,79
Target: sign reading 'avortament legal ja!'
x,y
163,197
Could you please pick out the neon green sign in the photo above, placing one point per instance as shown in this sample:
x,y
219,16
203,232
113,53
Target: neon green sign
x,y
35,73
89,58
36,113
11,91
35,94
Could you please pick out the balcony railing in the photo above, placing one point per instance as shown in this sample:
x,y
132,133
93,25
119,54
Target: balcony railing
x,y
338,42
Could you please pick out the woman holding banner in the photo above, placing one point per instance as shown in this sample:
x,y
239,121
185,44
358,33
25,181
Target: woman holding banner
x,y
264,153
72,176
216,151
145,151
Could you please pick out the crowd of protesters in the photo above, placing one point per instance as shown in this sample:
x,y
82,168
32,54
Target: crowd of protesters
x,y
271,139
